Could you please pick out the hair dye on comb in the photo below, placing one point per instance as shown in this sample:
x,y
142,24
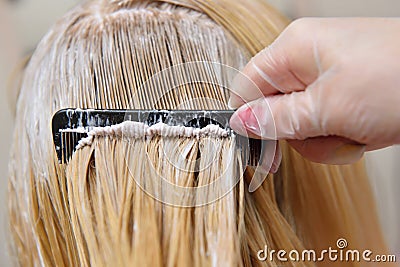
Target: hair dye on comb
x,y
136,130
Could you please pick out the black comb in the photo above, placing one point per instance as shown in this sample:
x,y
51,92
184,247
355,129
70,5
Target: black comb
x,y
71,125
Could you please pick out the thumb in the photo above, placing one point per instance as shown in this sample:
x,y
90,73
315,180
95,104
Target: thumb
x,y
286,116
294,117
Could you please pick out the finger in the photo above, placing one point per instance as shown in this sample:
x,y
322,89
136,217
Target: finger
x,y
329,150
290,116
289,64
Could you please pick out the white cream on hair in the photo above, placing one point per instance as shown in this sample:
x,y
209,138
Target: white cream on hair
x,y
133,129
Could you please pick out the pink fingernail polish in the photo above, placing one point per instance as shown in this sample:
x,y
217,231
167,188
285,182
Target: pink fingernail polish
x,y
250,120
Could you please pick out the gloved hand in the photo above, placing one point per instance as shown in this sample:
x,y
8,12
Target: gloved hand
x,y
332,85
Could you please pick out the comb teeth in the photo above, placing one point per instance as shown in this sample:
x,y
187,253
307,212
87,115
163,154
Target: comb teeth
x,y
251,149
71,125
68,143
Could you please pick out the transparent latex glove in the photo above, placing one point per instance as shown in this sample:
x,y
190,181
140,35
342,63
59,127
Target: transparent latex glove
x,y
332,86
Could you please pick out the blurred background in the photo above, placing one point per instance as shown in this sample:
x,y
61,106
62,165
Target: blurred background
x,y
24,22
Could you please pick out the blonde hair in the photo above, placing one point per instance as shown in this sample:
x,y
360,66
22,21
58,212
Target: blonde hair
x,y
96,209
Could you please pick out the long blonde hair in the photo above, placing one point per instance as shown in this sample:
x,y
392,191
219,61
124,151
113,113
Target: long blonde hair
x,y
96,210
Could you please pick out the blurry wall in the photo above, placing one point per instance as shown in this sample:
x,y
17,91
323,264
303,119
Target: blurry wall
x,y
24,22
338,8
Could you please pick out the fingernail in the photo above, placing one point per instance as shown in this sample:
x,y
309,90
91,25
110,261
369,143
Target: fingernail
x,y
250,121
237,124
235,102
244,121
